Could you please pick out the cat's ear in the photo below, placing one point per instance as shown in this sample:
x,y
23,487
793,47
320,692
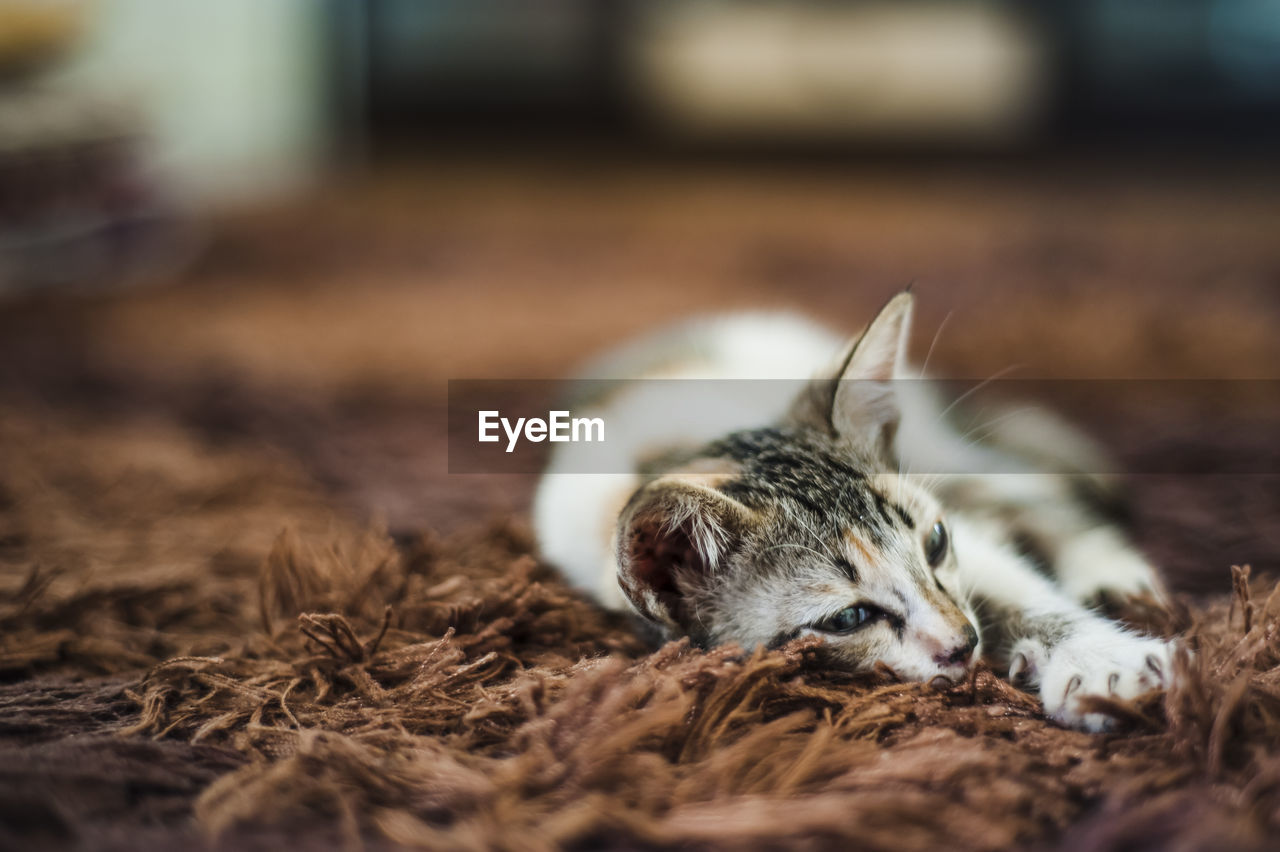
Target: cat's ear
x,y
864,405
673,540
857,402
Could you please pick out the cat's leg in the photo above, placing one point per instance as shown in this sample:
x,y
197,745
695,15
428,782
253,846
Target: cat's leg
x,y
1089,557
1047,639
1076,516
1099,564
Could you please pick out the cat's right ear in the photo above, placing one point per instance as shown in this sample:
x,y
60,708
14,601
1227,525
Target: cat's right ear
x,y
674,537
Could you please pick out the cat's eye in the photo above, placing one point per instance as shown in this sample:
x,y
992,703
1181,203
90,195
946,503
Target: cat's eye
x,y
849,619
935,544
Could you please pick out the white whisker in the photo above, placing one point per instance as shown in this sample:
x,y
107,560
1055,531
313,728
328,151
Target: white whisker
x,y
805,548
986,427
830,553
979,386
937,334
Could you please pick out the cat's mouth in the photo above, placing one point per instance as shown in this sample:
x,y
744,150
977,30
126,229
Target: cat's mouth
x,y
946,675
954,674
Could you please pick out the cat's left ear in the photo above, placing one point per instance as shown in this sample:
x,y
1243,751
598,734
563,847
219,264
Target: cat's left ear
x,y
861,404
864,408
672,544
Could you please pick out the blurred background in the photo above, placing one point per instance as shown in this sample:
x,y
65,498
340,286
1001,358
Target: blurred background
x,y
284,226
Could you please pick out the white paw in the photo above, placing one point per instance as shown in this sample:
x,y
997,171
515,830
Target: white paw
x,y
1105,661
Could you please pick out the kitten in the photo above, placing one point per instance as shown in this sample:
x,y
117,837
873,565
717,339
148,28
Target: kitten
x,y
756,519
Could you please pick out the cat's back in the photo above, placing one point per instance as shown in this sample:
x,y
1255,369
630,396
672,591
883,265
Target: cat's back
x,y
746,345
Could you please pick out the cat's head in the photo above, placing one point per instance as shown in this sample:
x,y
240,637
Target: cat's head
x,y
807,529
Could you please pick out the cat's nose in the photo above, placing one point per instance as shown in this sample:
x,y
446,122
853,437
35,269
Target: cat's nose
x,y
961,653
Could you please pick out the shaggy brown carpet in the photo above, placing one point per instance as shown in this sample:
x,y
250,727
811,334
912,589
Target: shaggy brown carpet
x,y
204,639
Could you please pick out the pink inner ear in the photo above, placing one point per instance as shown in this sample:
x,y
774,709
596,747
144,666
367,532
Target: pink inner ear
x,y
883,372
874,361
656,555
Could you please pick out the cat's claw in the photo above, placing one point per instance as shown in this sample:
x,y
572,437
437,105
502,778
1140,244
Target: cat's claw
x,y
1109,663
1019,670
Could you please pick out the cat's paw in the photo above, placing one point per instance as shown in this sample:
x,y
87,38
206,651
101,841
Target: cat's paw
x,y
1107,662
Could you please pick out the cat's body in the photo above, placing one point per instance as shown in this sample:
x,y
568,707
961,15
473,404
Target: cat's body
x,y
805,486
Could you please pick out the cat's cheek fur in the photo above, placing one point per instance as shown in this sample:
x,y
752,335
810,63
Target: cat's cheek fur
x,y
1100,659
